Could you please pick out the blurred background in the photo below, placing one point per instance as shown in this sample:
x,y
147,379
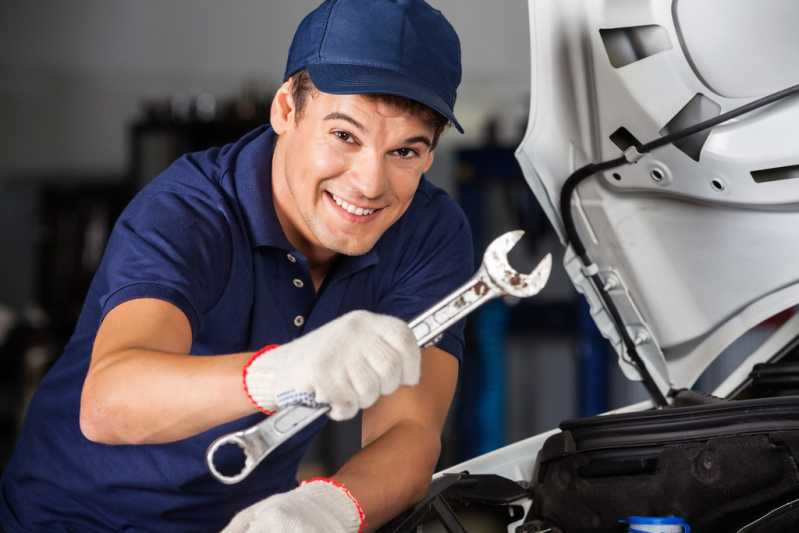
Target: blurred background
x,y
98,96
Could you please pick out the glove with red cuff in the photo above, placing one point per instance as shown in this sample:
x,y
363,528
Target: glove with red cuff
x,y
319,505
347,363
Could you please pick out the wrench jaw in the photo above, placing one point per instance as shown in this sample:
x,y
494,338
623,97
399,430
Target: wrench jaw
x,y
505,276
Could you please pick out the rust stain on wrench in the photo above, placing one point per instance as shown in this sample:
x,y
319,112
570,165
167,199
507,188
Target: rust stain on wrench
x,y
494,278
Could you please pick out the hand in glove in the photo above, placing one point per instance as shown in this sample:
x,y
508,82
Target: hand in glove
x,y
317,506
347,363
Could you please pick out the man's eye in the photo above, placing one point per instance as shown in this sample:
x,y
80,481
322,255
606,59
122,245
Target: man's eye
x,y
344,136
406,153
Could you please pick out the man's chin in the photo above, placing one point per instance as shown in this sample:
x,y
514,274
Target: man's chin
x,y
351,247
354,251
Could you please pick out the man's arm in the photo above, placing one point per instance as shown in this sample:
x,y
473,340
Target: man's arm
x,y
401,440
142,387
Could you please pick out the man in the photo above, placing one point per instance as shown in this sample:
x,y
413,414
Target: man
x,y
318,235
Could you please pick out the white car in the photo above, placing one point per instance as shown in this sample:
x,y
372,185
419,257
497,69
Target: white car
x,y
681,244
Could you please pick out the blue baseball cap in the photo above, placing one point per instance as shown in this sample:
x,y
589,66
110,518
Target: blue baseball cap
x,y
399,47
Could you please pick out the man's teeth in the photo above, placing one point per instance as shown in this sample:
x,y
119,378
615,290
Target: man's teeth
x,y
349,208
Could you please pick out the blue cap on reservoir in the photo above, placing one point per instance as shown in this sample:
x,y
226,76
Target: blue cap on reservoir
x,y
649,524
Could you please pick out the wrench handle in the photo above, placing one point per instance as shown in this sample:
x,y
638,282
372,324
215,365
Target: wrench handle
x,y
430,325
261,439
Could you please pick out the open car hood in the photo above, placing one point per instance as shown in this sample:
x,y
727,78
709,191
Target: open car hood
x,y
696,243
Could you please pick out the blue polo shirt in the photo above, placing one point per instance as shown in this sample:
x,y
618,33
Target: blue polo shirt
x,y
204,236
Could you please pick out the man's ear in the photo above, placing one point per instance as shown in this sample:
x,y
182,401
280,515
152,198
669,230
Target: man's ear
x,y
282,112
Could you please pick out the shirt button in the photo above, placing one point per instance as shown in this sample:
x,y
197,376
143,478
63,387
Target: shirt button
x,y
291,258
298,283
299,321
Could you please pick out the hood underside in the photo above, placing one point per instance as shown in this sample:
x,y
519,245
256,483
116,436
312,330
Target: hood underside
x,y
696,242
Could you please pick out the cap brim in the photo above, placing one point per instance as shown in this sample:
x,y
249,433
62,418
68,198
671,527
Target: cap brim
x,y
359,79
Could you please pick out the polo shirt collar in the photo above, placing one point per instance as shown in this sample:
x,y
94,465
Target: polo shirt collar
x,y
253,179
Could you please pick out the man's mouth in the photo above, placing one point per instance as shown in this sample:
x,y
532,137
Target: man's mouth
x,y
350,208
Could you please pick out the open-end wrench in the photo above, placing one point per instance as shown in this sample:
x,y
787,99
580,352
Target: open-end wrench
x,y
495,277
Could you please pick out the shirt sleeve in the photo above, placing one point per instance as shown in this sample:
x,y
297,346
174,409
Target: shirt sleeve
x,y
172,245
438,258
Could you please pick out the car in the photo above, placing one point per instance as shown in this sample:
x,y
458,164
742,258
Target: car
x,y
662,145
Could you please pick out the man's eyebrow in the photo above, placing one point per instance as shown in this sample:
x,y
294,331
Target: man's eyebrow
x,y
345,118
420,139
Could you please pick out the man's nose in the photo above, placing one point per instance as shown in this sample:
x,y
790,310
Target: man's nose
x,y
370,174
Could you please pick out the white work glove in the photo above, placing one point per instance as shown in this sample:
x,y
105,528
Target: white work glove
x,y
347,363
317,506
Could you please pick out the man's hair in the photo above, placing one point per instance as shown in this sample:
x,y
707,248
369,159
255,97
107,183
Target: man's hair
x,y
302,86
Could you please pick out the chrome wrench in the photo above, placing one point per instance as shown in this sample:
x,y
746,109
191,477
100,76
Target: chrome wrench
x,y
494,278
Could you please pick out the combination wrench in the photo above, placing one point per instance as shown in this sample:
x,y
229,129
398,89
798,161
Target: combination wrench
x,y
494,278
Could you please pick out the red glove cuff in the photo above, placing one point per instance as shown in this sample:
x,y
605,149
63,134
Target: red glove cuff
x,y
244,376
350,495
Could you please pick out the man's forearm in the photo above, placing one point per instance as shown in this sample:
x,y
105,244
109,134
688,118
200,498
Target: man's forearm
x,y
393,472
147,397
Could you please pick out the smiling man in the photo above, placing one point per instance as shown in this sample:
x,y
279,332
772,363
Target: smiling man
x,y
287,262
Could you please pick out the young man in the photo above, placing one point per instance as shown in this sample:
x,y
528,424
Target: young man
x,y
317,234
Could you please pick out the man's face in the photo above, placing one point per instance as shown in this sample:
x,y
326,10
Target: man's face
x,y
346,171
